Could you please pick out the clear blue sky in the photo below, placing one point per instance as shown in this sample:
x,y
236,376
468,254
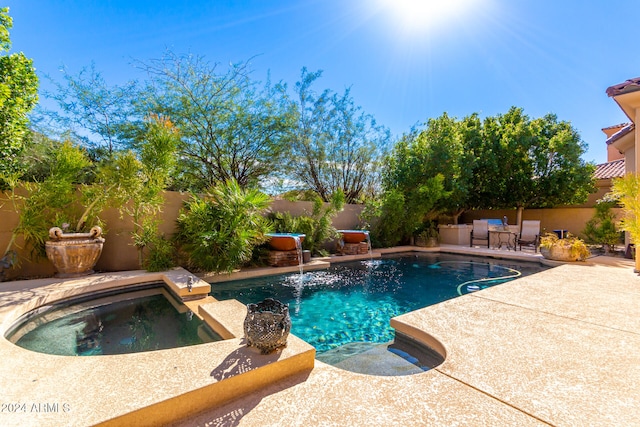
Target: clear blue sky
x,y
406,61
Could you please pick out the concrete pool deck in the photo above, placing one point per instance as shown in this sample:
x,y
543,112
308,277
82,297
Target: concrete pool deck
x,y
560,348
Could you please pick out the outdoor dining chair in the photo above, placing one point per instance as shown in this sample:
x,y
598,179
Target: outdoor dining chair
x,y
529,234
480,231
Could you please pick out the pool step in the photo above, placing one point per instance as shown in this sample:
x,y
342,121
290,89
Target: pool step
x,y
371,359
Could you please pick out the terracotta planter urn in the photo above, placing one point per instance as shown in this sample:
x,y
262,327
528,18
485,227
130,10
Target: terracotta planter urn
x,y
285,241
354,236
74,254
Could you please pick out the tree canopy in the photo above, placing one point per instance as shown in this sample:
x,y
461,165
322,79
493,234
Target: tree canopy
x,y
506,161
18,95
529,163
335,145
91,111
232,127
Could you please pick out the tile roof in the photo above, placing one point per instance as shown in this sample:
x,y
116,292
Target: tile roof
x,y
607,170
618,126
627,86
630,127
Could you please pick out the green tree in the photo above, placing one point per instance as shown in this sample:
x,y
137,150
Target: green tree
x,y
54,200
138,179
232,128
91,111
18,95
412,190
443,148
524,163
601,228
336,146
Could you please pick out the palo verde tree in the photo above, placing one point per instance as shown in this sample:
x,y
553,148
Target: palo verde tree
x,y
232,128
18,95
90,111
335,145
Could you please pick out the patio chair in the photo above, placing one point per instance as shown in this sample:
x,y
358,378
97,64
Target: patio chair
x,y
529,234
480,231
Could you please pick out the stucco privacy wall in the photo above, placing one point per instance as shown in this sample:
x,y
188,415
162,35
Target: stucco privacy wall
x,y
571,219
118,253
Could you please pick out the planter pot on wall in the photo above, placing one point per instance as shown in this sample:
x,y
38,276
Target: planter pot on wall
x,y
74,254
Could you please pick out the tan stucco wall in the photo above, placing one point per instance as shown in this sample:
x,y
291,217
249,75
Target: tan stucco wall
x,y
118,252
612,152
630,160
347,219
572,219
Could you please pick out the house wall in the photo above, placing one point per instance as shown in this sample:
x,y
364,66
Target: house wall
x,y
612,152
603,186
630,160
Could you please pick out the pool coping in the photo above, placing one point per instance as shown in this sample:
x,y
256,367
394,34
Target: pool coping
x,y
450,387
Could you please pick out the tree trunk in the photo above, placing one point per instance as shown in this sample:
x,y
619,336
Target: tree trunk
x,y
456,216
519,215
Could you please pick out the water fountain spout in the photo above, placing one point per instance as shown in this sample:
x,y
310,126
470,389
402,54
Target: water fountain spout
x,y
299,251
190,283
369,250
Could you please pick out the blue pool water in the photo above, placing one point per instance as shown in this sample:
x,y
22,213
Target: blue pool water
x,y
353,302
127,322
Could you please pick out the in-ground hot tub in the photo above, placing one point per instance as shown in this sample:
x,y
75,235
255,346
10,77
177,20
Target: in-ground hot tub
x,y
146,319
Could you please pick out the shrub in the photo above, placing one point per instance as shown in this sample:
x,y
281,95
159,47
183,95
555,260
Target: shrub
x,y
601,229
160,256
627,191
218,231
401,211
54,201
575,245
316,226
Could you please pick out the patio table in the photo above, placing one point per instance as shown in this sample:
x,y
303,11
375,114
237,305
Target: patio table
x,y
504,237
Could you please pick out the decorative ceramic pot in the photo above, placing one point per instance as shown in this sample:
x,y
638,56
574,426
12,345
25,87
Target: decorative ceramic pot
x,y
285,241
267,325
74,254
353,236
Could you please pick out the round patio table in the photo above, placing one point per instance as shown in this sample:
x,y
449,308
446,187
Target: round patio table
x,y
505,237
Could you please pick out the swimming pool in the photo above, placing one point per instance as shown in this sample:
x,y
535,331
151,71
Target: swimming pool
x,y
354,301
